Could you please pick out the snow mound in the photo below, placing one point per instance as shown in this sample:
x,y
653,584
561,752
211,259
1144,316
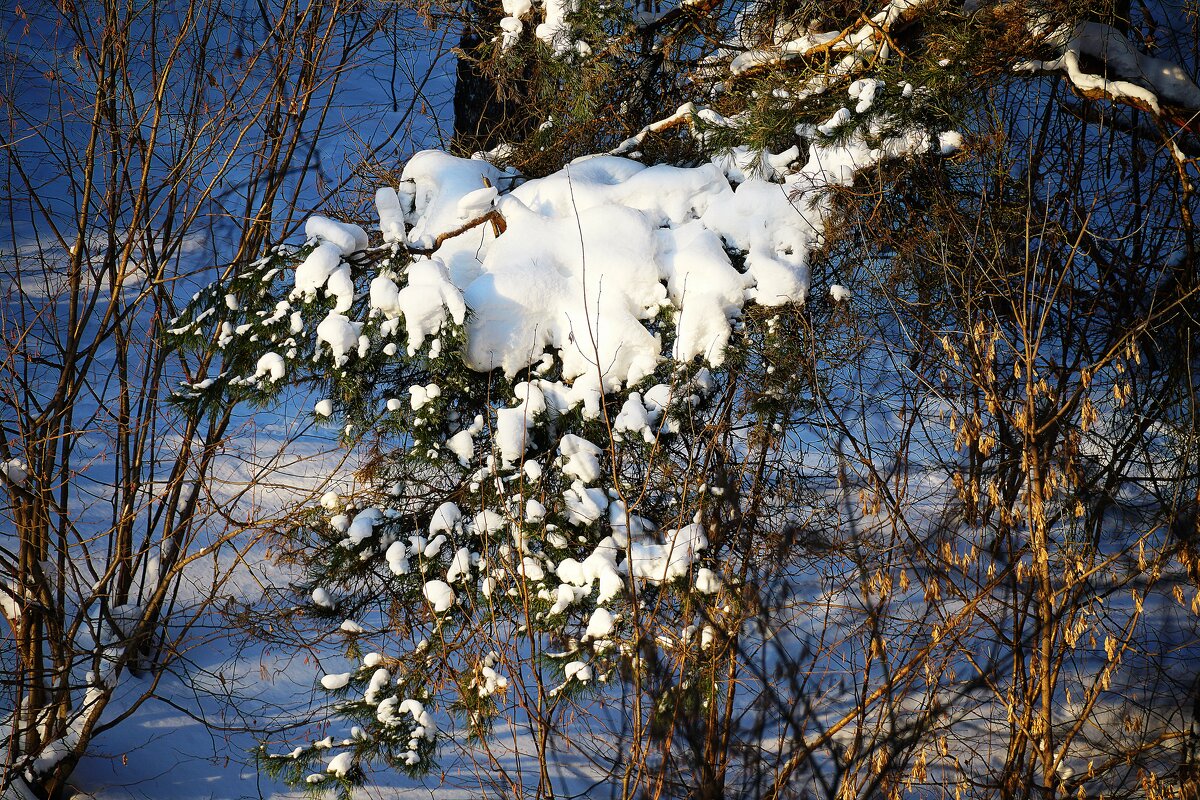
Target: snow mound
x,y
592,256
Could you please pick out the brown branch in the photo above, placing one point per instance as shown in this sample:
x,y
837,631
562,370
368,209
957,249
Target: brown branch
x,y
493,216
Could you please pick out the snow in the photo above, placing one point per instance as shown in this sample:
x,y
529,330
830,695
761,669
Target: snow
x,y
838,293
340,764
427,300
532,570
397,558
439,181
510,28
949,142
444,518
532,291
750,59
420,396
658,563
460,566
600,625
584,505
1143,79
391,215
511,25
16,470
324,408
554,31
345,237
512,424
863,90
439,594
517,8
703,284
535,512
634,417
532,471
322,598
336,681
341,286
385,297
363,526
707,581
740,163
477,203
380,679
625,525
425,723
270,365
578,671
493,682
337,331
434,547
462,444
600,566
564,596
488,521
1166,79
315,270
580,459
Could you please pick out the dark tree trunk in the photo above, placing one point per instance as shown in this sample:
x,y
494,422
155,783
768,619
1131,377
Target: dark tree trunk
x,y
487,111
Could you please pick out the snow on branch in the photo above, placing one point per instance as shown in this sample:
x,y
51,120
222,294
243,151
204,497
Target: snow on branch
x,y
853,46
1128,76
